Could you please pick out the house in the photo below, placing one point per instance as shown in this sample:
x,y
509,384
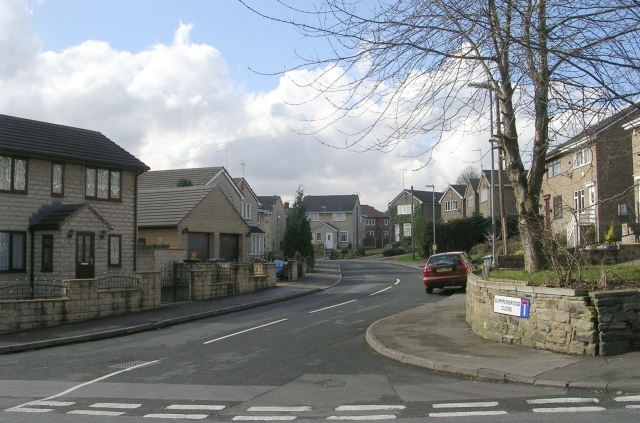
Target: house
x,y
199,219
633,126
485,194
273,222
422,200
377,233
452,202
251,213
336,220
589,182
67,201
472,197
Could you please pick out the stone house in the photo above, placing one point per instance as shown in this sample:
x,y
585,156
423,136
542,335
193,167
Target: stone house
x,y
452,202
251,214
589,183
198,219
484,191
423,200
377,233
272,221
633,126
472,197
336,220
67,201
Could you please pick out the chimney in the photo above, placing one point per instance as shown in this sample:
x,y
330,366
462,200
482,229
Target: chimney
x,y
286,205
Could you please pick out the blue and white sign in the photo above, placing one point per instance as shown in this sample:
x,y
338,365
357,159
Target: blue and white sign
x,y
512,306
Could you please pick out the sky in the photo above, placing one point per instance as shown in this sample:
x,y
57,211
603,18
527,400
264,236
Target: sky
x,y
191,83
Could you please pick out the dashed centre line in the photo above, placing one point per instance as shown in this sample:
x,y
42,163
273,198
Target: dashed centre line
x,y
468,413
630,398
367,418
177,416
280,409
192,407
563,400
96,413
263,418
115,405
333,306
244,331
466,405
568,409
369,407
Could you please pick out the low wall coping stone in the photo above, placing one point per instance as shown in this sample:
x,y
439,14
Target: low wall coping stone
x,y
613,293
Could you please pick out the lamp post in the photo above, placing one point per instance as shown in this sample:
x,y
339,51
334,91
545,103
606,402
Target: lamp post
x,y
487,86
413,250
324,243
433,216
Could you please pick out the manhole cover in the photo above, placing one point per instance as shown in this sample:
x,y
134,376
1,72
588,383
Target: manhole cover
x,y
129,364
334,384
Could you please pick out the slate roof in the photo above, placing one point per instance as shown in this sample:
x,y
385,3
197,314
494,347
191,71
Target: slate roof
x,y
496,175
50,141
162,179
335,228
459,189
57,215
422,196
167,207
267,202
333,203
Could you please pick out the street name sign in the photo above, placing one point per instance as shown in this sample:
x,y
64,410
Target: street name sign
x,y
512,306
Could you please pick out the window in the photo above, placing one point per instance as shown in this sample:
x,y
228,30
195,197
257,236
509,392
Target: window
x,y
314,217
57,180
13,174
581,157
259,217
386,233
246,211
406,229
397,232
47,253
257,245
386,222
470,201
404,209
578,200
13,251
371,233
451,205
557,207
103,184
555,168
343,236
115,251
318,236
484,195
339,217
371,222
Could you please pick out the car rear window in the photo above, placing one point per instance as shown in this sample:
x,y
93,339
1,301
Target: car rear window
x,y
444,260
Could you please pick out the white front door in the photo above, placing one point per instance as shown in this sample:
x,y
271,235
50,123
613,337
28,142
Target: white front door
x,y
329,242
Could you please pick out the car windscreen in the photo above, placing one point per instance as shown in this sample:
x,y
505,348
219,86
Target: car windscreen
x,y
444,260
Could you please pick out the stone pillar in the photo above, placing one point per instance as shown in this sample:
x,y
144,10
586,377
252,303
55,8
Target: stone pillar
x,y
242,277
150,287
292,266
270,271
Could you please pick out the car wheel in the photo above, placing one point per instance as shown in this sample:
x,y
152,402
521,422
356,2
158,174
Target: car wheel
x,y
429,290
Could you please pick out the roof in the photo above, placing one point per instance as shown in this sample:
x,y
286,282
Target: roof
x,y
255,230
475,184
161,179
496,175
168,207
372,212
268,202
422,196
593,131
458,188
51,141
242,183
333,203
57,214
335,228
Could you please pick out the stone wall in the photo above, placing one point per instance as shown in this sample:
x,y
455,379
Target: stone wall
x,y
82,301
560,320
618,321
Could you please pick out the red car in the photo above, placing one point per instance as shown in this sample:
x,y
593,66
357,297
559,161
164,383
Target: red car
x,y
447,269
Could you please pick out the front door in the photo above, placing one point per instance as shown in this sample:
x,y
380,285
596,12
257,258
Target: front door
x,y
85,255
329,244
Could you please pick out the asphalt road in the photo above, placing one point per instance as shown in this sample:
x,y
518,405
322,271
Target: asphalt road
x,y
303,359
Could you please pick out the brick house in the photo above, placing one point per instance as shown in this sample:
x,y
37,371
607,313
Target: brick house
x,y
484,191
199,219
67,201
336,220
377,232
273,221
422,200
452,202
589,182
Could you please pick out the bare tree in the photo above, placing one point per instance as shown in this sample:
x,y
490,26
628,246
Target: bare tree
x,y
467,174
551,64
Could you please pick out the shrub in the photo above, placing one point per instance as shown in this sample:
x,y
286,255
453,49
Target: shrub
x,y
393,252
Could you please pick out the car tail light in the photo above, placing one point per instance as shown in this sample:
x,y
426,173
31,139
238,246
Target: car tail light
x,y
461,268
428,271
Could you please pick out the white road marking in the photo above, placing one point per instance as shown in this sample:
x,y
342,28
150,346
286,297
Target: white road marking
x,y
196,407
466,405
563,400
468,413
633,407
397,281
264,418
280,409
96,413
21,409
568,409
631,398
115,405
369,407
177,416
375,293
355,418
327,308
244,331
53,403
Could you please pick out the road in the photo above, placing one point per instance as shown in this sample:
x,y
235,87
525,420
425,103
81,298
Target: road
x,y
304,359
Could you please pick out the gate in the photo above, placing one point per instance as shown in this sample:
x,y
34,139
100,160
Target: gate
x,y
176,283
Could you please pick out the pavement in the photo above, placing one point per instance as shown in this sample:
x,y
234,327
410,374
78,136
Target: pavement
x,y
433,336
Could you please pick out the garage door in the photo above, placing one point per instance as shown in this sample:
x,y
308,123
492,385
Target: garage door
x,y
230,247
198,242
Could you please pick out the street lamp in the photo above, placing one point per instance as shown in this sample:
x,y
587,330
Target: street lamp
x,y
324,243
433,216
489,87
